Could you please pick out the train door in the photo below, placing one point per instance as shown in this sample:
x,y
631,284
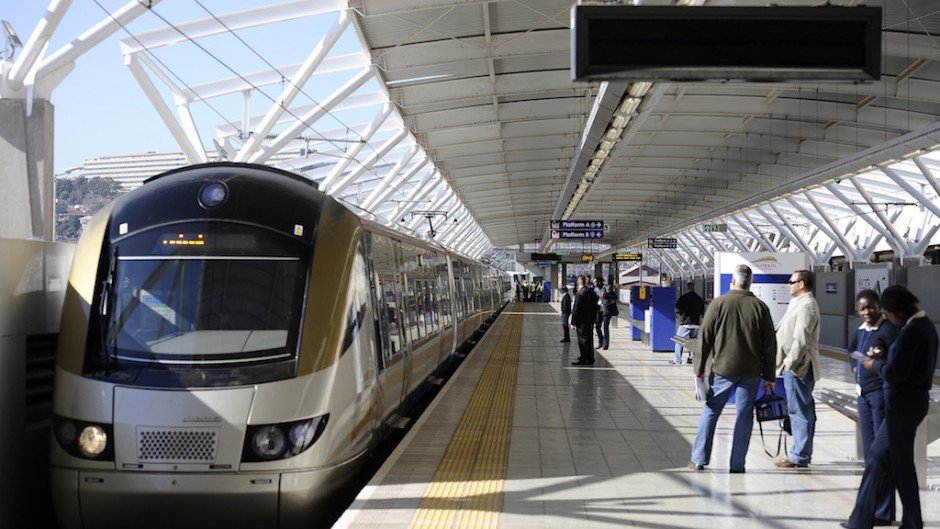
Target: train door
x,y
387,320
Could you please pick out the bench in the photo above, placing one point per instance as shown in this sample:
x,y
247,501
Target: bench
x,y
927,432
692,344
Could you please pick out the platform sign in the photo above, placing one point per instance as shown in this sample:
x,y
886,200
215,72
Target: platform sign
x,y
715,227
578,234
627,257
545,257
662,242
577,224
587,258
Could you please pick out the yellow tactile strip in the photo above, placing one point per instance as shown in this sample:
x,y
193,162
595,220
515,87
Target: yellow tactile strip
x,y
467,489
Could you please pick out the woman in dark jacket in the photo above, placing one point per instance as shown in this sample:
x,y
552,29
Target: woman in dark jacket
x,y
875,333
907,375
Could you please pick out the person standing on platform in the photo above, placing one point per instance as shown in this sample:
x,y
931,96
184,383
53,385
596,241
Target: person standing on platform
x,y
565,313
599,321
609,308
907,374
689,309
738,333
798,363
583,316
875,333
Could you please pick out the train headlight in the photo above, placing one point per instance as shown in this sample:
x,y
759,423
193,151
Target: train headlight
x,y
213,195
92,441
268,442
279,441
84,439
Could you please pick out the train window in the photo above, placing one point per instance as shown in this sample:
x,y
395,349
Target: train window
x,y
414,312
385,270
235,299
432,317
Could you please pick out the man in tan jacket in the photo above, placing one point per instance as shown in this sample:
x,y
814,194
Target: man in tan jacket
x,y
798,363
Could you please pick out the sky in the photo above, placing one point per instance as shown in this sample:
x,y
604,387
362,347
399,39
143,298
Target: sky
x,y
100,110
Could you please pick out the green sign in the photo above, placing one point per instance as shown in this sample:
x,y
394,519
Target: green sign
x,y
715,227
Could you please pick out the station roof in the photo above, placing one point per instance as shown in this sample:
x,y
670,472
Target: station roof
x,y
467,107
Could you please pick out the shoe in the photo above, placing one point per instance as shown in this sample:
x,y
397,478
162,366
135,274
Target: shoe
x,y
673,362
736,471
786,463
689,361
605,347
695,466
565,341
578,363
590,363
845,524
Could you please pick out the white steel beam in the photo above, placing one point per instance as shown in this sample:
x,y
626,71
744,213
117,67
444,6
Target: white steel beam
x,y
836,192
414,198
831,229
751,230
928,174
793,234
352,153
67,54
392,180
37,41
308,119
898,238
389,144
191,151
690,253
911,190
249,18
293,87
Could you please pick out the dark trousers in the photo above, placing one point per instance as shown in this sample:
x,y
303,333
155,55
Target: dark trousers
x,y
599,326
892,455
586,343
565,324
606,318
871,412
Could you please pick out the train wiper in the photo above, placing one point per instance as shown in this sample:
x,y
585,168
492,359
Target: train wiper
x,y
104,319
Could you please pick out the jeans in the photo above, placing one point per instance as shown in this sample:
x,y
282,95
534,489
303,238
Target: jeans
x,y
745,392
684,332
606,339
599,327
802,415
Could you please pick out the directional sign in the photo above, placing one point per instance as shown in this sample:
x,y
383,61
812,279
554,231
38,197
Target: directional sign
x,y
577,234
577,224
661,242
627,257
715,227
606,227
586,258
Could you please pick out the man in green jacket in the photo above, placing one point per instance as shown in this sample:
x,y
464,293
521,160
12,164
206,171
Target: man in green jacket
x,y
737,333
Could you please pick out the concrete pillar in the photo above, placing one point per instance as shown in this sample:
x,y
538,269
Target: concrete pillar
x,y
27,203
553,278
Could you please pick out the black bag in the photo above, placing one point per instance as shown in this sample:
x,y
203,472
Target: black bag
x,y
770,407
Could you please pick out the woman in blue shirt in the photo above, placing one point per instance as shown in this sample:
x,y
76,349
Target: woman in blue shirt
x,y
875,333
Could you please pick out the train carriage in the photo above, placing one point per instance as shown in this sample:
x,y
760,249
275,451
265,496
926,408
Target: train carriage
x,y
233,344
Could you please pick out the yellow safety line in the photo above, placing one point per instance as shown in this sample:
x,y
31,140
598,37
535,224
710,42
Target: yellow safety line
x,y
467,489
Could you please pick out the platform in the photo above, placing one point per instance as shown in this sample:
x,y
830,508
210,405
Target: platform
x,y
519,438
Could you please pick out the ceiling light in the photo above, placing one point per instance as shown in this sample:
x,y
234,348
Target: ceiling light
x,y
639,89
628,106
612,134
607,145
620,122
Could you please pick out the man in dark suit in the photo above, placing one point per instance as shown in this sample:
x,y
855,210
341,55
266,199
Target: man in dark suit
x,y
583,317
565,313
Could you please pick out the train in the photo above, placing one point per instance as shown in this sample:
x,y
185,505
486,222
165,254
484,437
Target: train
x,y
234,342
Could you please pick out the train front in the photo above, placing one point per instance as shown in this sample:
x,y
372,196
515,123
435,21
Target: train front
x,y
178,399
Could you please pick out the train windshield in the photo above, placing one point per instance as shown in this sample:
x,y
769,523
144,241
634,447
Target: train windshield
x,y
204,296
